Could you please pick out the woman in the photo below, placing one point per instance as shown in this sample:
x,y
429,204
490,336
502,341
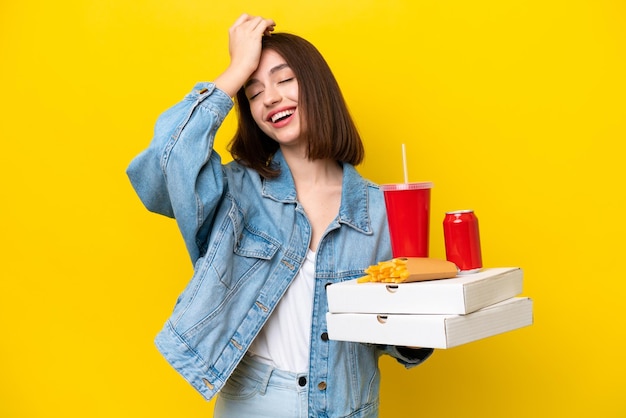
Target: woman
x,y
267,233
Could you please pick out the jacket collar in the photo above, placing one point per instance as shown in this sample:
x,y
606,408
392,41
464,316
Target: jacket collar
x,y
354,199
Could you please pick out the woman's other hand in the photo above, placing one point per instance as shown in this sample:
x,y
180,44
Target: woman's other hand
x,y
244,47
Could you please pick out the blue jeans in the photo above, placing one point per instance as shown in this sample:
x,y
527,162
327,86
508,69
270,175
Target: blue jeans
x,y
257,390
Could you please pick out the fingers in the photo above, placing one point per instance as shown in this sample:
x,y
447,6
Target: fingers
x,y
241,19
269,29
254,24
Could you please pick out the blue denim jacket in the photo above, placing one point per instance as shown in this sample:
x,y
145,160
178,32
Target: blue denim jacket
x,y
247,237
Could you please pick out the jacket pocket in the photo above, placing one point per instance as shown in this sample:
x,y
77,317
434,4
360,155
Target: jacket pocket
x,y
256,244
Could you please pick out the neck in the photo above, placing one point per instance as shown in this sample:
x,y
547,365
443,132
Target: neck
x,y
306,172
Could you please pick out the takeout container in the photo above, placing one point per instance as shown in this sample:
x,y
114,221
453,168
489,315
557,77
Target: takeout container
x,y
433,331
456,295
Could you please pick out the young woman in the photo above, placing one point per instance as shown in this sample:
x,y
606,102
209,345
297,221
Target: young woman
x,y
267,233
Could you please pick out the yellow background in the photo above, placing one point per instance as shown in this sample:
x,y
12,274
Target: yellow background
x,y
513,108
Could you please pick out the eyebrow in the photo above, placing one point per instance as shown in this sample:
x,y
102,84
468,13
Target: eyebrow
x,y
272,71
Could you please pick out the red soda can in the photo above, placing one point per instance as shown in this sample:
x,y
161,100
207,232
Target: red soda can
x,y
462,239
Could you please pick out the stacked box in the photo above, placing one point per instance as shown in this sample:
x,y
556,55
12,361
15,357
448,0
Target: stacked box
x,y
436,313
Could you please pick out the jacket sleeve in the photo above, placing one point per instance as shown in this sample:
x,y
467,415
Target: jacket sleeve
x,y
179,175
408,357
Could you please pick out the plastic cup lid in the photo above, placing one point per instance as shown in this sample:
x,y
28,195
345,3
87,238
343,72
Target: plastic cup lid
x,y
407,186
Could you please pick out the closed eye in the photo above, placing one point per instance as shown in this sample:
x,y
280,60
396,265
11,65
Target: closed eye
x,y
254,95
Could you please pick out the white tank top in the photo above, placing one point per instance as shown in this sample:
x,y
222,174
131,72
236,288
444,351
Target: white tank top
x,y
284,340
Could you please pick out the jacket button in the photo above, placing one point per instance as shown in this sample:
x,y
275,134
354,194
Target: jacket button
x,y
324,336
321,385
302,381
208,384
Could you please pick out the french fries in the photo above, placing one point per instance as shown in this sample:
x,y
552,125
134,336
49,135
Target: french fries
x,y
409,269
392,271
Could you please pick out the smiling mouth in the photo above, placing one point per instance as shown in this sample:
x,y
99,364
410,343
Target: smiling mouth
x,y
276,117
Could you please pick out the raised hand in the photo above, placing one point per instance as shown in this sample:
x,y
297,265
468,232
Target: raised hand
x,y
244,47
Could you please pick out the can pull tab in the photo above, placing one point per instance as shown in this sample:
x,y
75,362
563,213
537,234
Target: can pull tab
x,y
392,288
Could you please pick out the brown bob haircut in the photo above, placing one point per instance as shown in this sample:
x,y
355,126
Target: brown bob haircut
x,y
325,121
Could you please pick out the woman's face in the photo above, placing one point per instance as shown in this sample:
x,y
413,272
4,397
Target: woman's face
x,y
272,93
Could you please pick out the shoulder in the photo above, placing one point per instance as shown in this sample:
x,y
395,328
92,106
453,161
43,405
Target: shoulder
x,y
236,170
242,182
372,186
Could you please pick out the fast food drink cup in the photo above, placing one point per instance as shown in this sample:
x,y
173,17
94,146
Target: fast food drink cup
x,y
408,214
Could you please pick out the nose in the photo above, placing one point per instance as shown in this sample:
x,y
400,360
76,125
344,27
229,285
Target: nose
x,y
271,96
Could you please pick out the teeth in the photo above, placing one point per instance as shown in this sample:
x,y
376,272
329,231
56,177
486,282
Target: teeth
x,y
282,114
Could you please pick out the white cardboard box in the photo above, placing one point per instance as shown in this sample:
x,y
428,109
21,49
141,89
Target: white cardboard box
x,y
459,295
434,331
